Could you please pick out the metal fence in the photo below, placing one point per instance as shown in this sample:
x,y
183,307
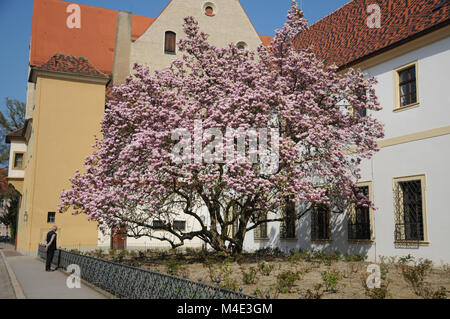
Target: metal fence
x,y
134,283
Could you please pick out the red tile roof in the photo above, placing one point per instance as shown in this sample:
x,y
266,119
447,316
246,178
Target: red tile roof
x,y
344,38
265,39
71,64
17,134
95,40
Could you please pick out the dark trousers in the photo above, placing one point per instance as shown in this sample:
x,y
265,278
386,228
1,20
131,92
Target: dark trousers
x,y
48,262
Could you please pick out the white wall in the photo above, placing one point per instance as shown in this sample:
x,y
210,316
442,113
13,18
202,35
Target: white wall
x,y
429,156
16,146
433,85
229,25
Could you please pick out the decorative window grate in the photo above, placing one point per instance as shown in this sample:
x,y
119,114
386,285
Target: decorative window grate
x,y
289,225
261,230
179,225
359,220
408,204
320,223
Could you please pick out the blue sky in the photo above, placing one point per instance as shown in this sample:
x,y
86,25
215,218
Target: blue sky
x,y
16,15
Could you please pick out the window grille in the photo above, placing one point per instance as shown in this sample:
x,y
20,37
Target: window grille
x,y
408,211
359,220
320,223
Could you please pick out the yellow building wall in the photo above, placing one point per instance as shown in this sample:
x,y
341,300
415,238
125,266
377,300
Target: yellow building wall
x,y
66,119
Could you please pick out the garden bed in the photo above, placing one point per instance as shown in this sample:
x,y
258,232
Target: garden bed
x,y
295,275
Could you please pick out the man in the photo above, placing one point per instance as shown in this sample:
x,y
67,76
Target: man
x,y
50,247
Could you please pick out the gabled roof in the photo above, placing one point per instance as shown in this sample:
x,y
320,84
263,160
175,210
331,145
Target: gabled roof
x,y
95,40
344,38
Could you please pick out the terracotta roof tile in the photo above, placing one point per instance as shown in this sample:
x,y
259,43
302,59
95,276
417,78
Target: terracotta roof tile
x,y
71,64
95,40
343,37
265,39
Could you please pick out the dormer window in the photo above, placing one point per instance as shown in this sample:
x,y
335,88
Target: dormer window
x,y
170,42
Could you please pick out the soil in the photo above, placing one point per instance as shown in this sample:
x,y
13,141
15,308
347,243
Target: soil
x,y
231,271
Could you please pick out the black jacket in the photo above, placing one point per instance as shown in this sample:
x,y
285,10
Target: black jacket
x,y
52,245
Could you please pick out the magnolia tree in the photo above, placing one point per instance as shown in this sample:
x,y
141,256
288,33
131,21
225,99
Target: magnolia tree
x,y
297,135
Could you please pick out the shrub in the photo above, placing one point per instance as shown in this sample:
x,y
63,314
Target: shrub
x,y
316,293
265,268
331,279
224,274
174,267
355,257
98,253
286,280
415,274
112,252
249,277
429,293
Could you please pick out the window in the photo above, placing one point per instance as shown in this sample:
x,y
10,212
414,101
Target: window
x,y
261,230
362,96
241,46
209,11
170,42
320,223
359,219
18,160
51,217
406,88
179,225
158,224
409,208
289,225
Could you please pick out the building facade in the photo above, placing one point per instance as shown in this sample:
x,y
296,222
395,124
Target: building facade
x,y
408,52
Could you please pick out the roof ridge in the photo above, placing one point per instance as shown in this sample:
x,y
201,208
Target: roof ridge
x,y
323,18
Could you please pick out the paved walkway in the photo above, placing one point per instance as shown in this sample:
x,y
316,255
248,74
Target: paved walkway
x,y
36,283
6,288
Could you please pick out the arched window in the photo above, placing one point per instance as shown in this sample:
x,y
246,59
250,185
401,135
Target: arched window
x,y
241,45
170,42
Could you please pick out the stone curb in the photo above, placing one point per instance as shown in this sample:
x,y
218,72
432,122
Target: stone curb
x,y
18,291
84,282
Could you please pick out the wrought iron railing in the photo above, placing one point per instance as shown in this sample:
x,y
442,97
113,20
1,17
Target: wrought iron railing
x,y
125,281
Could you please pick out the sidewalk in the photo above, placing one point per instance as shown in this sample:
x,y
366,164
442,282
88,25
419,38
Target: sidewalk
x,y
6,288
36,283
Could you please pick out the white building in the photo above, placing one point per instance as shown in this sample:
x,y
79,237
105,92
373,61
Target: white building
x,y
407,178
404,44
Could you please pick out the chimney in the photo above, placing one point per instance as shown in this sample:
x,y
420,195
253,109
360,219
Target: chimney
x,y
121,66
